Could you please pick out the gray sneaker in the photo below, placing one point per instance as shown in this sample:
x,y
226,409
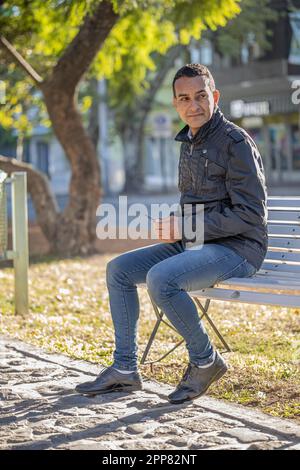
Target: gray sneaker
x,y
196,381
110,380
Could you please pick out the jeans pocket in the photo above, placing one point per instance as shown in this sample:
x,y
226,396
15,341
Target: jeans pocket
x,y
243,269
250,269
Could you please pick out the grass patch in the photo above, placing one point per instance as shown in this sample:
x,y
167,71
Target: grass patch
x,y
70,314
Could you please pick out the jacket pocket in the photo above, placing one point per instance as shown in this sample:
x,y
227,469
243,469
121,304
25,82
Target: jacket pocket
x,y
210,174
215,168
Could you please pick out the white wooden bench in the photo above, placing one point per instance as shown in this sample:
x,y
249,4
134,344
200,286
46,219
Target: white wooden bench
x,y
276,283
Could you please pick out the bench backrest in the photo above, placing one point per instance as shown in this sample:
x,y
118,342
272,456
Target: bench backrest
x,y
284,235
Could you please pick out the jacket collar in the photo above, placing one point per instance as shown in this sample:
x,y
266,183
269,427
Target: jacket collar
x,y
206,129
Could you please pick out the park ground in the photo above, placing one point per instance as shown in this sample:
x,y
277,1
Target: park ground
x,y
69,314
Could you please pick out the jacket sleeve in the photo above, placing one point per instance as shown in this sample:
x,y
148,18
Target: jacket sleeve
x,y
245,183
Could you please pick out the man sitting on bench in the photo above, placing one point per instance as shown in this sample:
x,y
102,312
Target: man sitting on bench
x,y
220,167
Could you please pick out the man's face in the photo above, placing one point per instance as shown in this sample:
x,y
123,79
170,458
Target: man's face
x,y
194,101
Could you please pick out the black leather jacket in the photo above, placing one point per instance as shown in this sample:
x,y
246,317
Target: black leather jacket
x,y
221,168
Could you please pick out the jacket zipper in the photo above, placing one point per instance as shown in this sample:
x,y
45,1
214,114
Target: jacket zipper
x,y
191,154
204,177
206,163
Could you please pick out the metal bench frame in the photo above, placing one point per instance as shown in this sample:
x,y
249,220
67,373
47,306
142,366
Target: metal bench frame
x,y
276,283
20,252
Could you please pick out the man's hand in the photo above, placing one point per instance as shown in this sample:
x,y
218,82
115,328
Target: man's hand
x,y
168,229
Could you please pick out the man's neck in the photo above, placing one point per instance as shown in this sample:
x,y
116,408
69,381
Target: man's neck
x,y
192,133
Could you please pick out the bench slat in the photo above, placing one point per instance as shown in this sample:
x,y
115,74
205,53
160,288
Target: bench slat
x,y
284,216
281,201
279,197
284,267
284,242
275,209
263,273
248,297
266,282
283,256
278,229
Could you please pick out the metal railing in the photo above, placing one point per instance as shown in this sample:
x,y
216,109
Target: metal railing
x,y
19,253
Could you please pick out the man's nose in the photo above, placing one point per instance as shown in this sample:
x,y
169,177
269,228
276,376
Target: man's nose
x,y
194,105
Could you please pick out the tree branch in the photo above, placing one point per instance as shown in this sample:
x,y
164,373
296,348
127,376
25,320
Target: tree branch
x,y
20,60
145,102
80,53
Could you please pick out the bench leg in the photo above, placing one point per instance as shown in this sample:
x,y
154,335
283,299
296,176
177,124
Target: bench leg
x,y
159,315
205,314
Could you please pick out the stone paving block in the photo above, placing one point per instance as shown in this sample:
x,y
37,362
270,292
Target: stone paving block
x,y
294,447
140,428
269,445
226,447
204,425
247,435
201,441
86,444
178,442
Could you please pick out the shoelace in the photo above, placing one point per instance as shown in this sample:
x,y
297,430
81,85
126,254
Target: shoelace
x,y
186,373
105,368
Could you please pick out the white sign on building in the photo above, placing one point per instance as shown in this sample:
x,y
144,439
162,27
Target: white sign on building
x,y
239,108
161,125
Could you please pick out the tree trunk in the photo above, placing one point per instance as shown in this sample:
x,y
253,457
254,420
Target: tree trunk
x,y
76,230
134,178
94,125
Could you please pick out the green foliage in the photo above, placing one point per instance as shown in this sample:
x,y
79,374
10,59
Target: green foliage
x,y
253,19
42,29
24,107
127,55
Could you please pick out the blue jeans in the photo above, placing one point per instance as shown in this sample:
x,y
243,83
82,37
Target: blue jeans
x,y
170,273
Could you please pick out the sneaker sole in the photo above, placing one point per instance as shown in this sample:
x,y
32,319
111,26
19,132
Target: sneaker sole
x,y
215,378
116,388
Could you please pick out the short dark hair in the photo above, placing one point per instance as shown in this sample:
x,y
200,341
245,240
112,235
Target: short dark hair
x,y
192,70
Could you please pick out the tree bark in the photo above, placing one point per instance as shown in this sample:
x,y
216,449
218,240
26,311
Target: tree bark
x,y
94,124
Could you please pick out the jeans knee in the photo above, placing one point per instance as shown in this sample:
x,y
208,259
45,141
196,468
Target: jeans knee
x,y
157,285
115,271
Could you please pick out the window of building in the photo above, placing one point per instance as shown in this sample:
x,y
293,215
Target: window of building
x,y
206,52
244,54
278,146
42,149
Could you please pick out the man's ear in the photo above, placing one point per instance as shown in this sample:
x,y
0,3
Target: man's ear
x,y
216,94
174,102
